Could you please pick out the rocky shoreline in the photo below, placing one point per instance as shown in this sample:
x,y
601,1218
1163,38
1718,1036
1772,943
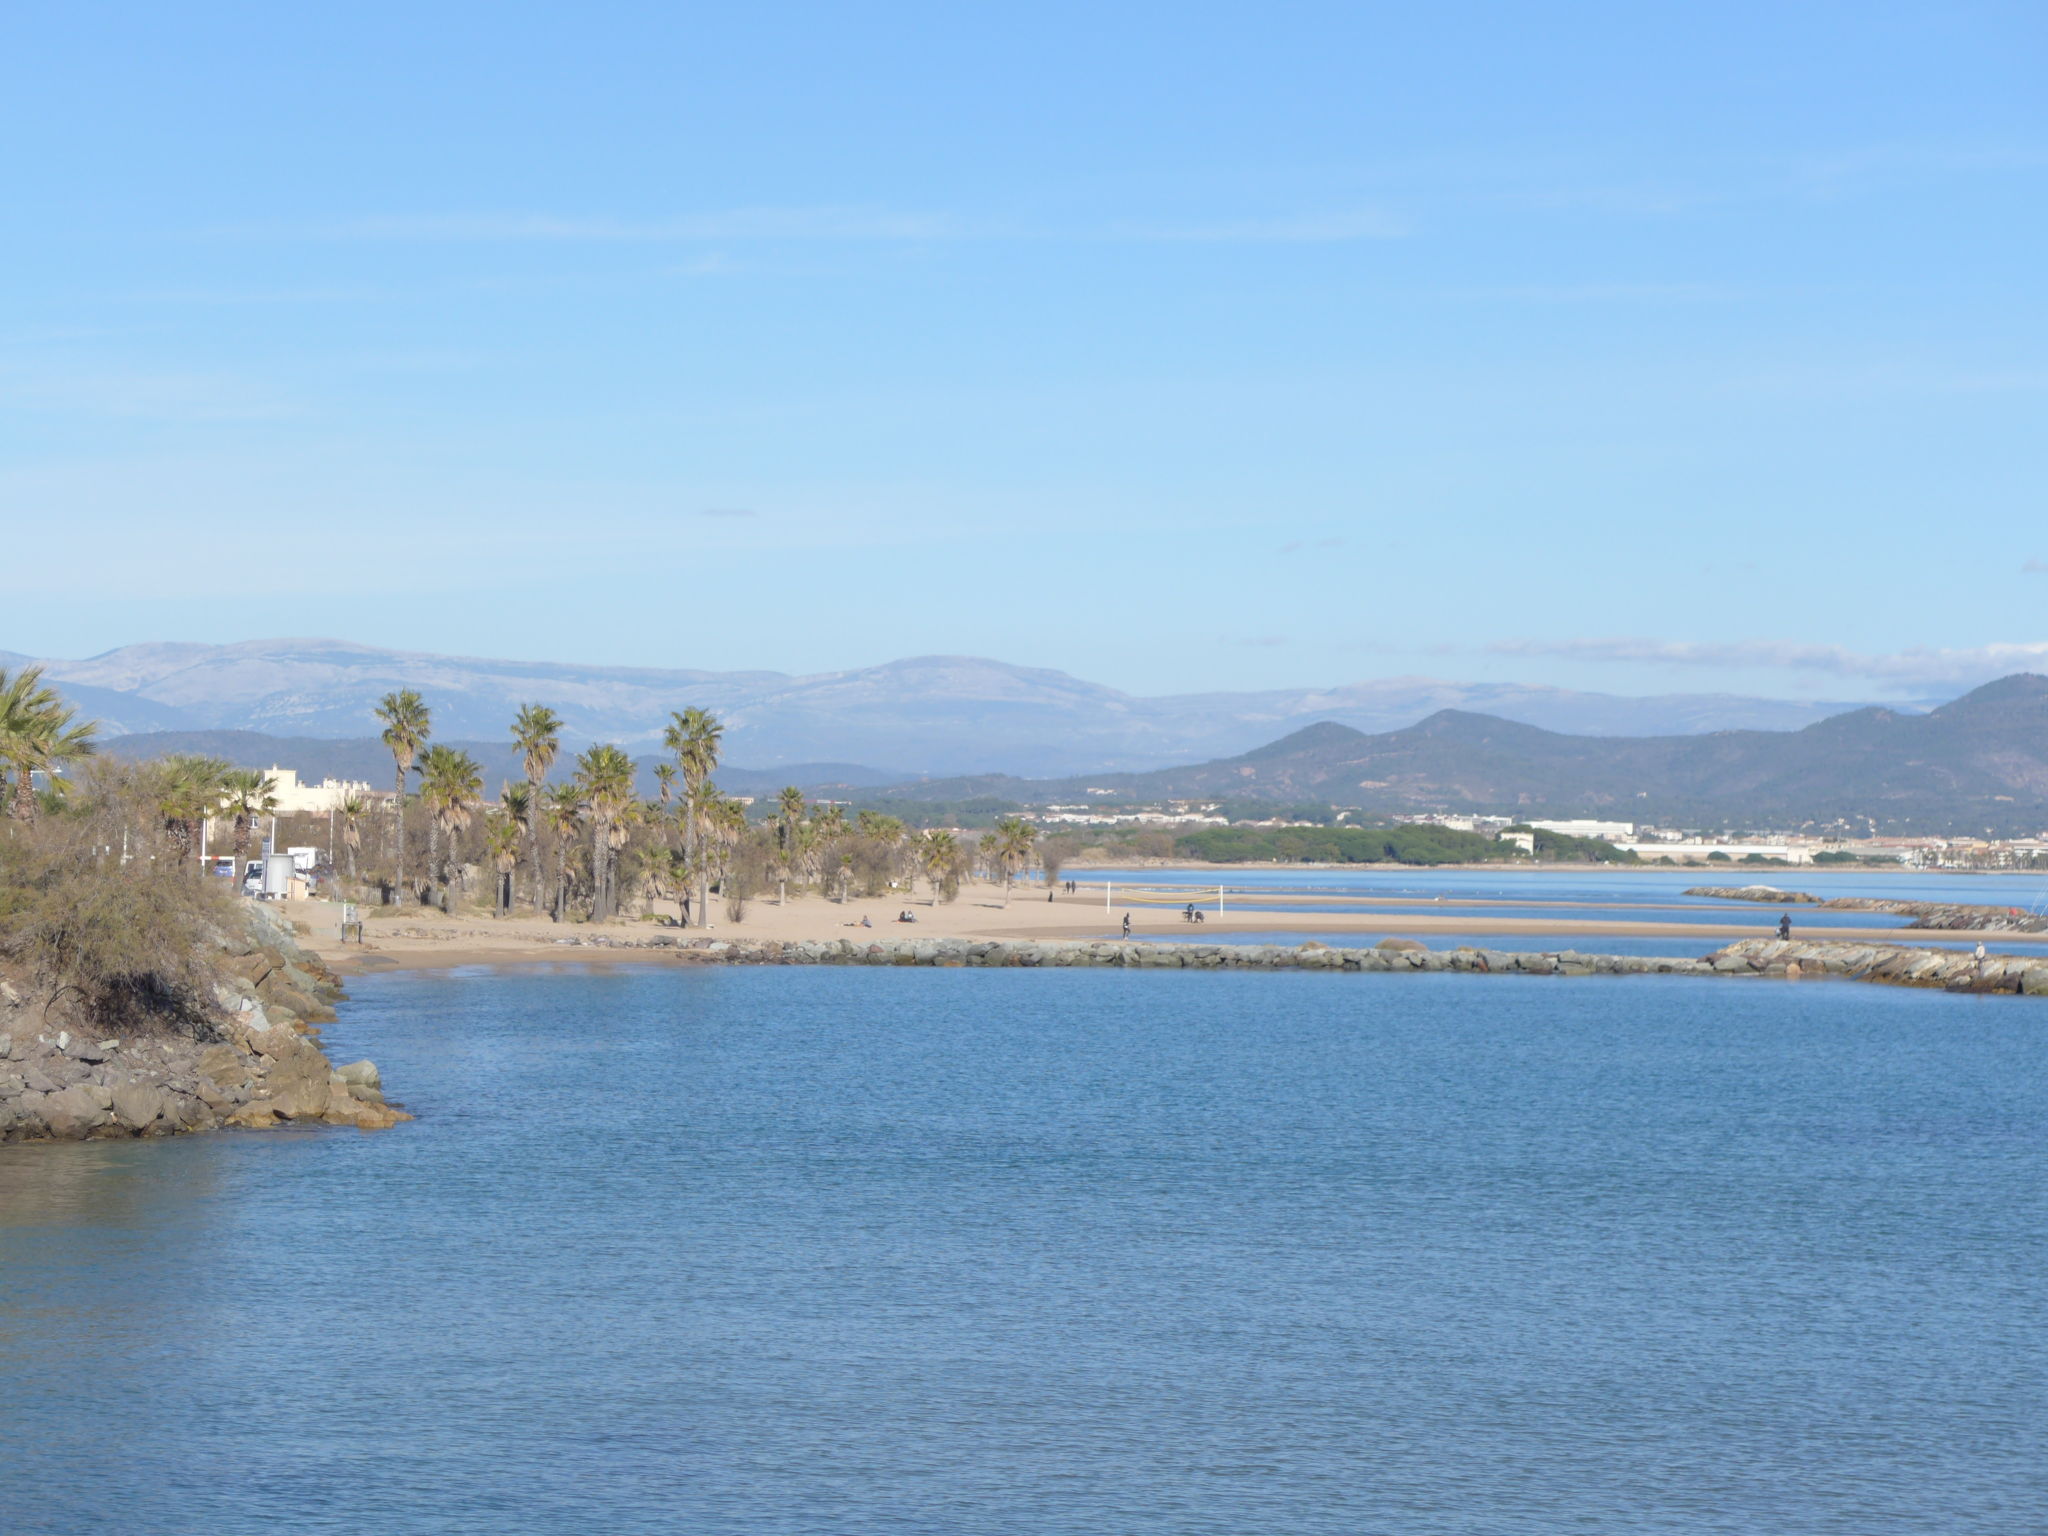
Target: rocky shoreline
x,y
259,1064
1888,964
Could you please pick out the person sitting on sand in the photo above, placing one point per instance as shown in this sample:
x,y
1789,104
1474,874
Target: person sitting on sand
x,y
864,921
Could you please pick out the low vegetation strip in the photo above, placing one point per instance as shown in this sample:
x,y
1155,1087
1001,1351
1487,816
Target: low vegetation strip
x,y
1418,843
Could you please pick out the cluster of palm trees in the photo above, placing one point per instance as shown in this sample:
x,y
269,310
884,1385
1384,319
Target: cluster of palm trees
x,y
587,840
565,834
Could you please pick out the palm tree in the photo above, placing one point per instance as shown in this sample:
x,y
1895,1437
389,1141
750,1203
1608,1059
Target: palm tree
x,y
790,843
37,734
501,843
665,776
188,794
246,795
604,779
352,807
561,812
693,735
537,732
407,721
451,788
939,854
1011,849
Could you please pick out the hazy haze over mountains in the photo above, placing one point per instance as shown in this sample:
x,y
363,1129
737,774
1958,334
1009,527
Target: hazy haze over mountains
x,y
920,715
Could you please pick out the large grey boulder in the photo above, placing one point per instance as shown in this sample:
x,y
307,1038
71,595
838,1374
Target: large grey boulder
x,y
72,1112
137,1105
360,1074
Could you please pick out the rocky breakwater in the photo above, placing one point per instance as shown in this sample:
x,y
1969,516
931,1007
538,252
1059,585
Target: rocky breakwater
x,y
1764,893
1890,964
1391,956
1962,916
250,1059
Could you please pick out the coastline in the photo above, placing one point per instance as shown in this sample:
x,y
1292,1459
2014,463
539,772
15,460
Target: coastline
x,y
418,939
1780,959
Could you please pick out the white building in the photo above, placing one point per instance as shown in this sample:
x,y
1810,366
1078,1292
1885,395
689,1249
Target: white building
x,y
1701,853
296,799
1607,831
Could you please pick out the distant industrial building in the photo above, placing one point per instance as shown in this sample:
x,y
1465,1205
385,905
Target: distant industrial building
x,y
1606,831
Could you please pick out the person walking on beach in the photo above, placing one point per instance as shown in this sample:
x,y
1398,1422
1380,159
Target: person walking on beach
x,y
1127,925
1784,925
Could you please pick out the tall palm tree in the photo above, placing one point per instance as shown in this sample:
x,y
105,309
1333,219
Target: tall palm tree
x,y
537,733
37,733
561,813
407,722
665,777
604,778
516,801
501,843
189,793
1011,849
353,807
694,736
938,853
246,795
451,788
789,833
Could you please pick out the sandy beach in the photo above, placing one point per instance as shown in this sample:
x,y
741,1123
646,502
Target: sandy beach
x,y
424,938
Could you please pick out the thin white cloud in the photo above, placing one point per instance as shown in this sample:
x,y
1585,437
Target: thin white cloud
x,y
1602,293
850,223
2036,568
844,224
1918,665
728,512
1311,229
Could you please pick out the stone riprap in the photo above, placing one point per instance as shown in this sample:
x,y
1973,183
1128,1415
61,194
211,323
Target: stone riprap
x,y
1765,893
1951,916
260,1064
1897,965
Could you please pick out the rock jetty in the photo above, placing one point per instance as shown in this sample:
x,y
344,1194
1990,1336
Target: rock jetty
x,y
1765,893
1892,964
256,1062
1897,965
1947,915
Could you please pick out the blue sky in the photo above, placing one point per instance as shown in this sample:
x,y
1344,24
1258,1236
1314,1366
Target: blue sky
x,y
1181,347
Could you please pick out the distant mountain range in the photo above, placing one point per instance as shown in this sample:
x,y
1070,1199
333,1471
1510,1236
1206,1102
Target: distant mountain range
x,y
924,715
1976,764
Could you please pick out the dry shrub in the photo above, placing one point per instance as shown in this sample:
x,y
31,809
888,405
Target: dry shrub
x,y
123,944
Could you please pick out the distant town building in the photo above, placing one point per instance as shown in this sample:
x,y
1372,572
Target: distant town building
x,y
297,799
1606,831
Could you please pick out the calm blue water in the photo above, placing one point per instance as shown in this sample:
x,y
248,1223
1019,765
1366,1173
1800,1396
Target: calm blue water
x,y
844,1251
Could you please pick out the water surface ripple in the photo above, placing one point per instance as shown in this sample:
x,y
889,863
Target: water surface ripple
x,y
782,1251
